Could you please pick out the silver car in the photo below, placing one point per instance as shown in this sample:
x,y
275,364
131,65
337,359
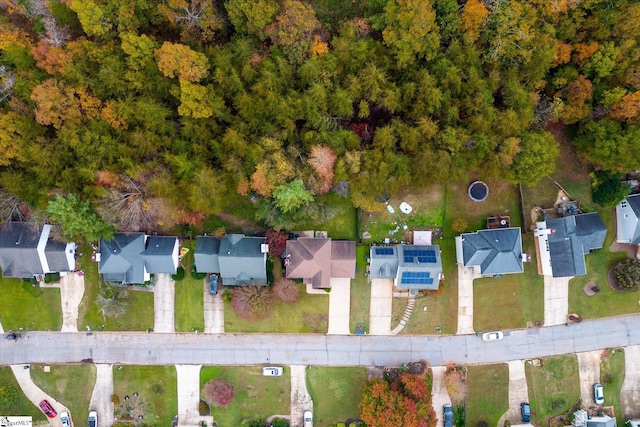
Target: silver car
x,y
65,419
93,418
272,371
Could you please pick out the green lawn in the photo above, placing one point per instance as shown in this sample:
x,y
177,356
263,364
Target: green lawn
x,y
360,291
487,393
33,308
336,393
71,385
256,396
607,302
157,397
342,225
612,377
19,405
521,297
89,311
189,305
553,387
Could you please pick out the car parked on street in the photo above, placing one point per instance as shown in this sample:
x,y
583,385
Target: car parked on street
x,y
272,371
525,412
93,418
447,418
308,419
48,410
598,394
492,336
65,419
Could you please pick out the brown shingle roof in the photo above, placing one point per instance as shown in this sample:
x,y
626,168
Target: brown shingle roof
x,y
316,260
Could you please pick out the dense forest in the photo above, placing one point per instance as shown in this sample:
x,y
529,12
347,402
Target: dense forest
x,y
140,114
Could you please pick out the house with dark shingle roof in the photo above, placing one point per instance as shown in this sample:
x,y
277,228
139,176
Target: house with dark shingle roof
x,y
628,220
491,252
412,267
563,242
121,259
27,250
317,260
161,254
239,259
206,254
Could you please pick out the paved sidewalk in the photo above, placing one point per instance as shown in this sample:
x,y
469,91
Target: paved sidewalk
x,y
556,300
164,304
71,292
518,392
589,370
381,306
213,311
101,396
36,395
300,397
630,393
466,275
339,306
439,395
189,396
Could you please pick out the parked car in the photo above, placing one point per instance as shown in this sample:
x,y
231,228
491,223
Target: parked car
x,y
65,419
447,419
213,284
598,394
93,418
308,419
272,371
13,336
525,412
492,336
48,410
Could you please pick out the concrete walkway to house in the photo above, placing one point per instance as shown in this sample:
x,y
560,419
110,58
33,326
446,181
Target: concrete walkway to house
x,y
339,306
36,395
300,398
189,396
630,392
164,295
589,370
71,292
213,311
518,392
556,300
466,276
439,395
381,306
101,396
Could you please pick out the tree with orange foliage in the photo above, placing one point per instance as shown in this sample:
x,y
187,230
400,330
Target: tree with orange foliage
x,y
473,14
577,107
627,109
322,160
178,60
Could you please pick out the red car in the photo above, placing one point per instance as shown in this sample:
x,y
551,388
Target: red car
x,y
48,409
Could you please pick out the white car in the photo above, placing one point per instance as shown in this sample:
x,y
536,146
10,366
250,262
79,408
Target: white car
x,y
492,336
65,419
308,419
272,371
93,418
598,394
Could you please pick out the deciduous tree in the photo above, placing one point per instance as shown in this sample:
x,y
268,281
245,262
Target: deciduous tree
x,y
252,302
286,290
219,392
79,221
178,60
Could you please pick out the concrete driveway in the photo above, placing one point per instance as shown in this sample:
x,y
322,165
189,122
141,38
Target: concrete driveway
x,y
164,304
213,311
188,377
466,275
381,306
518,392
630,392
589,370
101,396
339,306
556,300
439,395
36,395
300,398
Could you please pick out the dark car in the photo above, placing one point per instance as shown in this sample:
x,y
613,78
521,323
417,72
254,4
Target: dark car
x,y
213,284
525,412
13,336
48,409
448,415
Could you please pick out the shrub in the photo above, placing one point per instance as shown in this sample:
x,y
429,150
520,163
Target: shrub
x,y
219,392
483,423
157,388
203,408
8,395
607,378
286,290
459,225
253,302
196,275
115,399
628,274
277,240
179,274
51,277
607,188
279,422
458,416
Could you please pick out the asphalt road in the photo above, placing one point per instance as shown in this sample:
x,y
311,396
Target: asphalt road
x,y
318,350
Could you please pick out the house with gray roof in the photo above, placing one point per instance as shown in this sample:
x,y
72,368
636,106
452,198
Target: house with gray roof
x,y
582,419
562,243
239,259
628,220
412,267
28,250
161,254
491,252
317,260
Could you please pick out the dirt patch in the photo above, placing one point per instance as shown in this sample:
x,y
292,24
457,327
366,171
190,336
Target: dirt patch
x,y
623,247
613,280
238,223
591,289
315,323
374,373
455,382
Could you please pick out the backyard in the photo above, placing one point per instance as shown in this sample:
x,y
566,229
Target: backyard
x,y
13,401
336,393
256,396
487,394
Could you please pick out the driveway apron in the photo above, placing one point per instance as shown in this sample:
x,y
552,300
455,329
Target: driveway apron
x,y
518,392
556,300
213,311
339,306
589,370
189,396
163,304
300,397
439,395
466,275
101,396
381,306
630,393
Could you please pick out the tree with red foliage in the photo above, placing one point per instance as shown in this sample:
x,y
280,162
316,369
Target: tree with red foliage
x,y
219,392
286,290
253,302
277,241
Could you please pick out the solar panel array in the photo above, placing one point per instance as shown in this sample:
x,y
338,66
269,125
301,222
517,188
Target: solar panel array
x,y
384,251
420,256
416,278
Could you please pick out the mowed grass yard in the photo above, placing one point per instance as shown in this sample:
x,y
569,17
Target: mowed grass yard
x,y
23,305
487,393
256,396
71,385
157,391
553,387
189,303
21,405
336,393
360,291
342,225
612,376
